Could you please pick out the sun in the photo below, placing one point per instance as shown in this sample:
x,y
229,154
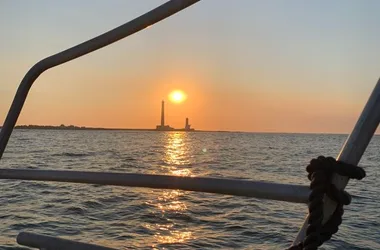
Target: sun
x,y
177,96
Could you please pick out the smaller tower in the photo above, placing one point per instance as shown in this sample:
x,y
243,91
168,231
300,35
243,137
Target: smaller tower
x,y
187,125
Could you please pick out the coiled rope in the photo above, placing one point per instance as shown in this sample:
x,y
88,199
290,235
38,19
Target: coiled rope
x,y
320,173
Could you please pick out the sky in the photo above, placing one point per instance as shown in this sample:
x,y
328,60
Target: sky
x,y
258,66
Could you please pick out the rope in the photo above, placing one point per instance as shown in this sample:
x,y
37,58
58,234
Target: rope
x,y
320,173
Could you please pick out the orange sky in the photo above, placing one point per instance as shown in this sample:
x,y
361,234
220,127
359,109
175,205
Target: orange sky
x,y
114,99
241,72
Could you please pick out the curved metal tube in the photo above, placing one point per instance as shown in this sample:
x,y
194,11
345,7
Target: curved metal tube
x,y
163,11
48,242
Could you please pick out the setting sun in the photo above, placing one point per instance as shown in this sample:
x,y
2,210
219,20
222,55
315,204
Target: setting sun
x,y
177,96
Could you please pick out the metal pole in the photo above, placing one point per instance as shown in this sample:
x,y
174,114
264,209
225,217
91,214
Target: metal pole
x,y
165,10
264,190
48,242
352,151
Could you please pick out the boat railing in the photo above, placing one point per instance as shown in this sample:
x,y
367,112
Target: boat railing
x,y
351,152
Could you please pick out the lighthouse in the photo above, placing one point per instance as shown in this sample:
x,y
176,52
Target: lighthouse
x,y
162,114
162,126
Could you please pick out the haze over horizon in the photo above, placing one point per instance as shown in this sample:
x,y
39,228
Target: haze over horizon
x,y
255,66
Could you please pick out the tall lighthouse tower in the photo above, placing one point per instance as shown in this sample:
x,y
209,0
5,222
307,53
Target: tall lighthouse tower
x,y
162,114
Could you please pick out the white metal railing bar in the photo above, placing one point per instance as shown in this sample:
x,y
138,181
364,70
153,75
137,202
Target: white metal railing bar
x,y
352,150
50,243
257,189
163,11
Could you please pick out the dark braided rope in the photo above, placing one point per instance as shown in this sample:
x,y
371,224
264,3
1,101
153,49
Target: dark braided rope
x,y
320,173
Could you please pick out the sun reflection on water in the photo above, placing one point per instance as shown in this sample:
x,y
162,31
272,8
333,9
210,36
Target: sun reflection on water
x,y
182,172
175,237
169,201
177,154
170,204
167,235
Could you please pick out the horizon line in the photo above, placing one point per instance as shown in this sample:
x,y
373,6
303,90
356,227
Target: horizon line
x,y
75,127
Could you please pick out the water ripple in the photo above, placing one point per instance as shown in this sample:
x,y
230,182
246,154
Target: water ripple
x,y
139,218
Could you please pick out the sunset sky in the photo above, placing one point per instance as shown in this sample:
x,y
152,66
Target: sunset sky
x,y
265,66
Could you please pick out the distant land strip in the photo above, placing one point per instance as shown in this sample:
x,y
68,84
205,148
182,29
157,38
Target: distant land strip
x,y
72,127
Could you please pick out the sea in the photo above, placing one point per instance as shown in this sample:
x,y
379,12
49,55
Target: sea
x,y
143,218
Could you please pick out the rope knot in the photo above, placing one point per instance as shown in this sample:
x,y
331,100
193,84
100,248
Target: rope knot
x,y
320,171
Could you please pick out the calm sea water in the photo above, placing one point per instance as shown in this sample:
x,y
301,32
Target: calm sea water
x,y
139,218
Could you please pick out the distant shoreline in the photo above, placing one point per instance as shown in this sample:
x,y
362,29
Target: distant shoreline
x,y
72,127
